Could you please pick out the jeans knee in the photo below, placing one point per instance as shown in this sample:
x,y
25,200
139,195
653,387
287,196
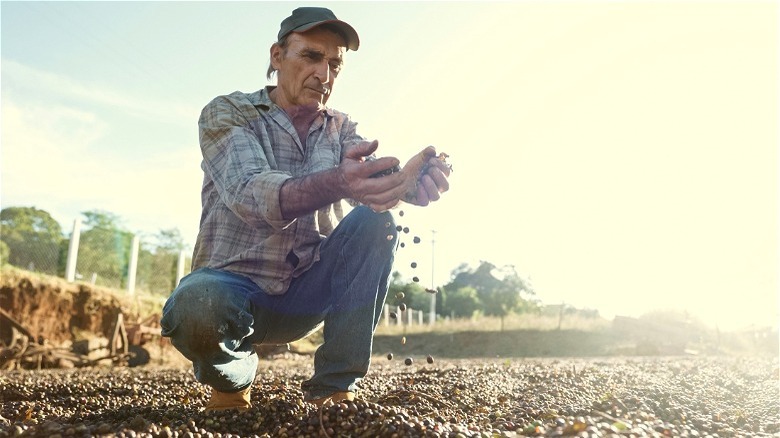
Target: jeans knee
x,y
202,318
377,229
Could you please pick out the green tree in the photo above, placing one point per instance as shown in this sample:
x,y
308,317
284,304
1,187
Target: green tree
x,y
499,289
158,262
170,240
462,302
414,296
4,252
33,238
104,249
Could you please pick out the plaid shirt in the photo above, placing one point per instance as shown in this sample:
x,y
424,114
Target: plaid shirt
x,y
250,148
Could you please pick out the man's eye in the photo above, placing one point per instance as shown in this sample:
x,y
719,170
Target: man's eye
x,y
313,57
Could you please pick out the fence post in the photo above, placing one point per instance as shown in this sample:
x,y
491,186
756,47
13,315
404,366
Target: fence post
x,y
180,266
73,250
409,313
387,315
420,317
131,270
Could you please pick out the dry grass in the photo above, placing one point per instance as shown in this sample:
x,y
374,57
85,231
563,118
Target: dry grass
x,y
493,324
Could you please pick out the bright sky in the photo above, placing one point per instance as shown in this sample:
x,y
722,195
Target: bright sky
x,y
621,155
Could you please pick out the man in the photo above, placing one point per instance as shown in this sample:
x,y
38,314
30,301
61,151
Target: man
x,y
277,164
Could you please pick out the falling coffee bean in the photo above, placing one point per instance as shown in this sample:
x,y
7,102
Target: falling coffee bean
x,y
387,224
403,340
416,279
389,356
431,291
429,359
399,228
402,307
393,315
408,361
389,237
401,213
406,230
403,244
414,265
399,296
416,239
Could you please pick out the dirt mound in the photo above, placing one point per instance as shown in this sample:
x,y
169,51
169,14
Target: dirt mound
x,y
55,310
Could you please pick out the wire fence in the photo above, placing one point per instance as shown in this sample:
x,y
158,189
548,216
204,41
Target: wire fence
x,y
103,257
120,260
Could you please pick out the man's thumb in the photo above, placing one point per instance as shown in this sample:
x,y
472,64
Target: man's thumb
x,y
362,149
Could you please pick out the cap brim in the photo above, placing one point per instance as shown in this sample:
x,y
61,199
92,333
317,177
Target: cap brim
x,y
353,41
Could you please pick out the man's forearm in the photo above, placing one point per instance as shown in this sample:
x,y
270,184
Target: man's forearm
x,y
309,193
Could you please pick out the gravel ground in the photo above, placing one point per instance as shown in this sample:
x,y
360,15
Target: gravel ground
x,y
718,397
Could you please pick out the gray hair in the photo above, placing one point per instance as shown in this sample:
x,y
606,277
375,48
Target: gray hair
x,y
271,70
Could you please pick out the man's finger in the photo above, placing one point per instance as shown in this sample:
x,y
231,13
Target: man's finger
x,y
439,179
422,196
361,149
430,188
441,165
379,165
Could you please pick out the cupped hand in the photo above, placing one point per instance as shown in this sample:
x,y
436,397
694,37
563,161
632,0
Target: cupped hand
x,y
431,180
355,172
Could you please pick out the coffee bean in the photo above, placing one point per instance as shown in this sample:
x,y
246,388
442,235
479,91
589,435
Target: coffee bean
x,y
408,361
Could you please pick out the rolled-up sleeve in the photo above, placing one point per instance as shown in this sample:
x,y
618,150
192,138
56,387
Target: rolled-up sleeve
x,y
239,165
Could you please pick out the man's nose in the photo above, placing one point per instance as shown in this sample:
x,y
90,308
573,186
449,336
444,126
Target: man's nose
x,y
322,73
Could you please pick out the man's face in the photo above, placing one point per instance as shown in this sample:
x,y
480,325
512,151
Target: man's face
x,y
307,68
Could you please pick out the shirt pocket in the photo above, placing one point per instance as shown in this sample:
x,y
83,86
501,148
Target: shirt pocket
x,y
325,154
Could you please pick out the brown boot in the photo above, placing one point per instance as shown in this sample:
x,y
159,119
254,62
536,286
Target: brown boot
x,y
222,401
333,398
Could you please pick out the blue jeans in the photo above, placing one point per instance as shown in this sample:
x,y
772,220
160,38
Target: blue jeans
x,y
214,317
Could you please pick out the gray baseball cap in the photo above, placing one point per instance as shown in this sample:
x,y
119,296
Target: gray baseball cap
x,y
305,18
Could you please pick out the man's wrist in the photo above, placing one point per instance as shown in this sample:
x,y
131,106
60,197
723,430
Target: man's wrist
x,y
309,193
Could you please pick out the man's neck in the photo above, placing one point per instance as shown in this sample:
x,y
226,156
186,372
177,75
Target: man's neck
x,y
302,114
302,117
297,113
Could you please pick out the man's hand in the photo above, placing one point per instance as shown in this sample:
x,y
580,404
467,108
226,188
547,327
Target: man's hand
x,y
355,173
431,181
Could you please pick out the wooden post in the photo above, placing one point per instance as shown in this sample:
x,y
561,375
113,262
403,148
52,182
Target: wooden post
x,y
132,269
73,250
560,315
387,315
432,311
180,266
409,313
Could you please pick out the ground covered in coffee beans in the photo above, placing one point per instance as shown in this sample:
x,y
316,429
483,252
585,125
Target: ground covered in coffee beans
x,y
679,396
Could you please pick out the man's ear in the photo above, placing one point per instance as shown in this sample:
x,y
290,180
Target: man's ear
x,y
276,56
